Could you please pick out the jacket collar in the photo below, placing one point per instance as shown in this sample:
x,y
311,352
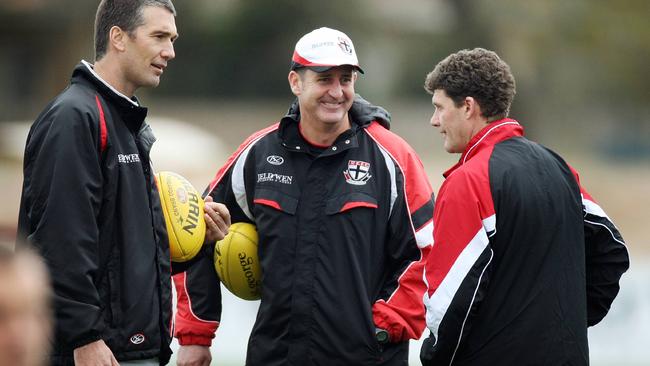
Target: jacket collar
x,y
105,85
490,135
129,108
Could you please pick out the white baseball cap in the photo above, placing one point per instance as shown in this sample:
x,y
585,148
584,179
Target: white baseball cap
x,y
324,48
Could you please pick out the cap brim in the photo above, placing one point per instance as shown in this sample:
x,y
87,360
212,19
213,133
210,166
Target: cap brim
x,y
295,65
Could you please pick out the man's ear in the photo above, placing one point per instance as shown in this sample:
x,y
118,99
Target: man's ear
x,y
471,108
294,82
117,38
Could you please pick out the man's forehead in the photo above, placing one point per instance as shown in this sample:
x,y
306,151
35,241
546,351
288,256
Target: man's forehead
x,y
439,94
344,69
159,17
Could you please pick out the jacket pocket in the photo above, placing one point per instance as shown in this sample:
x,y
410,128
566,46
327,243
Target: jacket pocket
x,y
277,200
349,201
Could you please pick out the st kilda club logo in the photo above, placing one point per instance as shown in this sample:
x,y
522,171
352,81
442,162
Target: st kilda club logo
x,y
358,172
345,45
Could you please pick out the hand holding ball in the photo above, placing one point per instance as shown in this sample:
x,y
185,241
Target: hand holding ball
x,y
237,263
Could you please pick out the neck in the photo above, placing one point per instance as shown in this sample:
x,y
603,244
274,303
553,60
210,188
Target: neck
x,y
111,72
320,133
478,125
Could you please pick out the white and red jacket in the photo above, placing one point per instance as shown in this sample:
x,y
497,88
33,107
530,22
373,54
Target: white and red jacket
x,y
343,231
523,258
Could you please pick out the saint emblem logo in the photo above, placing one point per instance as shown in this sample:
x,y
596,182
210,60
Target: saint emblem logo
x,y
358,172
345,46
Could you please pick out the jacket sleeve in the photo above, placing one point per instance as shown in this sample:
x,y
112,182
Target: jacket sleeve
x,y
198,289
458,266
198,308
62,193
399,309
606,258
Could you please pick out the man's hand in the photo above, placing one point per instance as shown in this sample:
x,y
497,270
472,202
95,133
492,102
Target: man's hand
x,y
94,354
194,356
217,220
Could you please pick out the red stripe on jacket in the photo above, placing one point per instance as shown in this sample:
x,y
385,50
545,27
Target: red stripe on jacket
x,y
405,306
102,125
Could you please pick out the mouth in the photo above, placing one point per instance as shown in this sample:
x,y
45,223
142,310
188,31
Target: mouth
x,y
331,105
159,67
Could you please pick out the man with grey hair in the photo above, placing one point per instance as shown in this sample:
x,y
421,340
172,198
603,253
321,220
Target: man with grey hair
x,y
89,202
342,232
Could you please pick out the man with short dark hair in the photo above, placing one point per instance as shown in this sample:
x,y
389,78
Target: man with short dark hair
x,y
524,260
343,210
89,200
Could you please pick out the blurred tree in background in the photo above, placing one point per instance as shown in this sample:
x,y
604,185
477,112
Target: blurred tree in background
x,y
579,62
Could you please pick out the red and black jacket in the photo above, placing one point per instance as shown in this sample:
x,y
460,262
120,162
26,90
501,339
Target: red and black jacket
x,y
343,231
90,206
523,258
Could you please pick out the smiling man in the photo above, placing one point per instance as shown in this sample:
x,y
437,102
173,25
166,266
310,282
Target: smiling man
x,y
343,209
89,201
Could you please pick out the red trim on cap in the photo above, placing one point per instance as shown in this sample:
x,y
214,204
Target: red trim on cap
x,y
304,62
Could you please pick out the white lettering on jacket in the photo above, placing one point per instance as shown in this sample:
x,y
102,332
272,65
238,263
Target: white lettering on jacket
x,y
273,177
128,158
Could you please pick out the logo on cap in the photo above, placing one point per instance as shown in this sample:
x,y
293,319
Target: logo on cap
x,y
345,46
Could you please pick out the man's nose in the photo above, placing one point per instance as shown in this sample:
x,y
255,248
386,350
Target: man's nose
x,y
168,53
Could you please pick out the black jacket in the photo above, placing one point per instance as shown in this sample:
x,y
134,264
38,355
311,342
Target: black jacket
x,y
90,206
342,233
524,259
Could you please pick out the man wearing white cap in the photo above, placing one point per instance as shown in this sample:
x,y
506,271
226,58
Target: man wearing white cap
x,y
343,210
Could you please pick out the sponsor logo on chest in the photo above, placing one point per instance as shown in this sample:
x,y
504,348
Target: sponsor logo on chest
x,y
274,177
128,158
275,160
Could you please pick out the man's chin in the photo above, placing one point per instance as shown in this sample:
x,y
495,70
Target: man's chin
x,y
152,82
332,118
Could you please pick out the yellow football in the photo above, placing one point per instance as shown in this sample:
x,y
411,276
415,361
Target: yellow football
x,y
237,263
182,207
